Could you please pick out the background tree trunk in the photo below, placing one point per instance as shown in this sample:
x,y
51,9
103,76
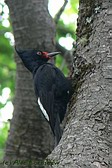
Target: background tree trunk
x,y
86,139
29,136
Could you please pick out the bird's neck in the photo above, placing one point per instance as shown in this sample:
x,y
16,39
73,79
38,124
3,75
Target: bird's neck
x,y
36,66
32,65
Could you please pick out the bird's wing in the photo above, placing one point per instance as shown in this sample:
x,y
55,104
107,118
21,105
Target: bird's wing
x,y
44,83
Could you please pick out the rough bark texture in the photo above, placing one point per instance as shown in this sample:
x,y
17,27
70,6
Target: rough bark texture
x,y
86,139
29,136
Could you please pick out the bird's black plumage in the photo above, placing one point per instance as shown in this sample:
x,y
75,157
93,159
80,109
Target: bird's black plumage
x,y
52,88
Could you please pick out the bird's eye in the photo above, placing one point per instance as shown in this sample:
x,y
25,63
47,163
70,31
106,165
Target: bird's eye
x,y
39,53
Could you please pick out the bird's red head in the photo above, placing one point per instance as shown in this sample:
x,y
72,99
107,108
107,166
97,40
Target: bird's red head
x,y
43,54
46,55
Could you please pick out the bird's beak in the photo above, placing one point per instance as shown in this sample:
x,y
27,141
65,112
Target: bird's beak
x,y
53,54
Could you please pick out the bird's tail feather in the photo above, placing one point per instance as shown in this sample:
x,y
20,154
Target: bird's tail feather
x,y
57,130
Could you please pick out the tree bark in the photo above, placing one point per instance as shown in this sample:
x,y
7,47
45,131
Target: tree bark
x,y
86,139
29,136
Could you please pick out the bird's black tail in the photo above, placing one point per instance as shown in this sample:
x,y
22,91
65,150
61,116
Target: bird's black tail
x,y
57,130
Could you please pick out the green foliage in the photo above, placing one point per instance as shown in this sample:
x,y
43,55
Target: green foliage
x,y
74,7
60,63
63,30
7,65
7,74
3,137
68,29
3,134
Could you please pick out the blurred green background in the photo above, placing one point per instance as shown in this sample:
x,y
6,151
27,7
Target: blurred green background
x,y
66,28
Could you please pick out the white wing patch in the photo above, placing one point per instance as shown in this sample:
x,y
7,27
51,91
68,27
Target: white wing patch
x,y
43,110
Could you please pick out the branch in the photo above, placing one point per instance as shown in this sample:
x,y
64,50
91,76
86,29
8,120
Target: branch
x,y
57,17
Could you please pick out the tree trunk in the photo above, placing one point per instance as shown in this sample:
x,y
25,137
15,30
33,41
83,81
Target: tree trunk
x,y
29,136
86,139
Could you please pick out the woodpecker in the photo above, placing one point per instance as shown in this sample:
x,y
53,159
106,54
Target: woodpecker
x,y
52,88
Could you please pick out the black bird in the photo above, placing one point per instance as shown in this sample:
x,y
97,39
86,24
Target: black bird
x,y
52,88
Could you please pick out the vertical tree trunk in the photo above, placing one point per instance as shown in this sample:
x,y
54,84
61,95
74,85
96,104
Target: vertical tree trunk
x,y
29,136
86,139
